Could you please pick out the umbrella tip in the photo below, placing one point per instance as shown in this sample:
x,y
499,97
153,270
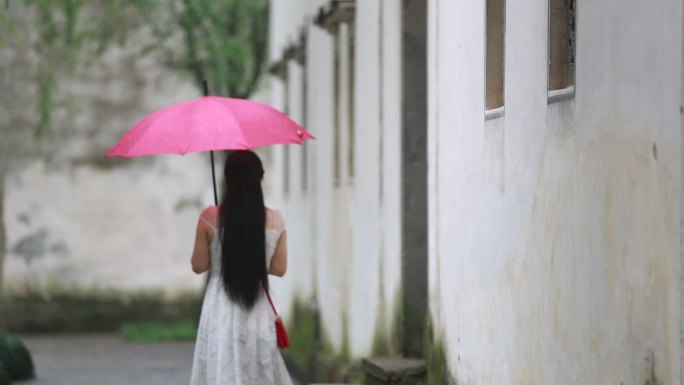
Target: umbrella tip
x,y
205,85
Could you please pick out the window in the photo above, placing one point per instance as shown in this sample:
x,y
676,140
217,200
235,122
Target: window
x,y
561,44
494,72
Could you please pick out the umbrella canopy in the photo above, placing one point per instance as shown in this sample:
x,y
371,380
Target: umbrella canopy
x,y
206,124
209,123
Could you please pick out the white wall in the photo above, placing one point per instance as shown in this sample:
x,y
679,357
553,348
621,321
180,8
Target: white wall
x,y
367,125
74,221
554,231
287,19
391,251
354,233
84,229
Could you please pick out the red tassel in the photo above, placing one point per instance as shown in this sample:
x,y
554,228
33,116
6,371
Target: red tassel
x,y
281,334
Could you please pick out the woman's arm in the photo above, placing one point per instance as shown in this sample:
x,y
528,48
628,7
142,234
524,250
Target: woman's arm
x,y
201,257
279,261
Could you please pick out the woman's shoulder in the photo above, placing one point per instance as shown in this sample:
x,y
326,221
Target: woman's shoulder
x,y
210,210
271,212
274,219
210,214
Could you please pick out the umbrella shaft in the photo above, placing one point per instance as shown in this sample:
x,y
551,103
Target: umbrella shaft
x,y
213,178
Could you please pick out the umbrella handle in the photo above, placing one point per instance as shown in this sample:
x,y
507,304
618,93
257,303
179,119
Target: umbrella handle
x,y
213,178
211,153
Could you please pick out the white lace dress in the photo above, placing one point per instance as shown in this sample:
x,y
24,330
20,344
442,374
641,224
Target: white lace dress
x,y
235,346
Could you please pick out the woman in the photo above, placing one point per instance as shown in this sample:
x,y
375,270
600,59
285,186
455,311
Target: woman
x,y
241,241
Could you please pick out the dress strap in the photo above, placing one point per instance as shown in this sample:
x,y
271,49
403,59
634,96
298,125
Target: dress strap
x,y
276,221
207,222
270,301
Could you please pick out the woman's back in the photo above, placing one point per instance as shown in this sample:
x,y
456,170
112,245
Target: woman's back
x,y
236,345
240,243
274,228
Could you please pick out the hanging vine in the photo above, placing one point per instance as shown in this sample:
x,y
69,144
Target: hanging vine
x,y
225,41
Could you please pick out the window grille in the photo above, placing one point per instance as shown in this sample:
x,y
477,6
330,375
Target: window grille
x,y
562,44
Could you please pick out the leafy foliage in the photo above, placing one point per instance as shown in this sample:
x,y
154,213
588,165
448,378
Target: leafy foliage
x,y
15,358
4,377
225,41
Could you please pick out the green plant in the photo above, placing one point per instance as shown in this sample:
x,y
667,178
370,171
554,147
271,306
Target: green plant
x,y
4,377
225,41
15,358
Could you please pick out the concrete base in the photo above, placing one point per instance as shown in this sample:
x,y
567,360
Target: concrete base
x,y
395,371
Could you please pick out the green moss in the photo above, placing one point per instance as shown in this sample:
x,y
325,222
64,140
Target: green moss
x,y
437,369
301,327
652,379
345,351
381,343
311,357
94,311
397,332
388,335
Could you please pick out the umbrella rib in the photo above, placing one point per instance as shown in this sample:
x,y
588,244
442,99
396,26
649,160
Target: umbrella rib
x,y
243,142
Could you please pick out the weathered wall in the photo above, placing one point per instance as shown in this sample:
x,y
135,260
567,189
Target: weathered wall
x,y
74,220
351,226
554,230
286,22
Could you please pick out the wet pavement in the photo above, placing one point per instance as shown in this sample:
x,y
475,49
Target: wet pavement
x,y
107,360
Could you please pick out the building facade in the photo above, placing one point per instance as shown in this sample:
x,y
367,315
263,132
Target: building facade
x,y
545,204
555,211
337,72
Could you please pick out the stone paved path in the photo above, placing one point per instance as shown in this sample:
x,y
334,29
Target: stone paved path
x,y
107,360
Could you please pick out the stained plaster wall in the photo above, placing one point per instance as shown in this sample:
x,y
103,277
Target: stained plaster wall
x,y
554,230
351,227
75,221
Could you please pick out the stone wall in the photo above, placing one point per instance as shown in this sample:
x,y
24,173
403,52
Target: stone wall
x,y
75,221
555,229
345,226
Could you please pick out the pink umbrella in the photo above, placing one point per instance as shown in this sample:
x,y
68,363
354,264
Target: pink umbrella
x,y
206,124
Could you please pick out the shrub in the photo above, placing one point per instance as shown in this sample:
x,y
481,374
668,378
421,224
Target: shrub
x,y
15,358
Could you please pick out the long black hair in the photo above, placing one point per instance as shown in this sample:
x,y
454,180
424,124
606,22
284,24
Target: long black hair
x,y
243,239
